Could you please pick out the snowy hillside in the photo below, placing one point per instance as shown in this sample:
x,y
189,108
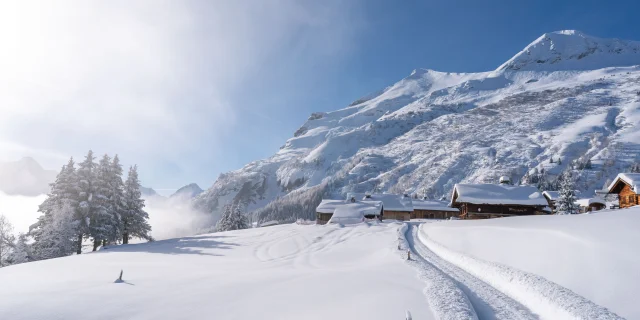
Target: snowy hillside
x,y
280,272
25,177
546,267
566,96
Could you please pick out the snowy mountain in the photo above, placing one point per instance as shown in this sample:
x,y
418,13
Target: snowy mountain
x,y
148,192
189,191
566,96
25,177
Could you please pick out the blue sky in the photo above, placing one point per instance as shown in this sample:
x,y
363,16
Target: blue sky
x,y
192,89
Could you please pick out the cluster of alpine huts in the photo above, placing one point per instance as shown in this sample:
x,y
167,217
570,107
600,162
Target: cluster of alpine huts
x,y
470,201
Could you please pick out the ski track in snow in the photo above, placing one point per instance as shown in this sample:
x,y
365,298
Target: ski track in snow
x,y
500,292
488,302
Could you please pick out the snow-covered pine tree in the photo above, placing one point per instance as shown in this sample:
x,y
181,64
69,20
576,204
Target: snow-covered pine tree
x,y
6,240
86,174
21,251
232,219
134,218
103,225
59,235
63,196
566,203
117,204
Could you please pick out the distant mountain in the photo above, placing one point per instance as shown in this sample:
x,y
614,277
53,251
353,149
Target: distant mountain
x,y
567,96
148,192
25,177
189,191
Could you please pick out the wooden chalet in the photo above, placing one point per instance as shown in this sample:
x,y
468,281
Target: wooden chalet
x,y
347,211
433,209
482,201
627,187
591,204
398,207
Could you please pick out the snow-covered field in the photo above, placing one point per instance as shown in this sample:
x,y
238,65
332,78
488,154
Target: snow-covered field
x,y
540,267
280,272
594,255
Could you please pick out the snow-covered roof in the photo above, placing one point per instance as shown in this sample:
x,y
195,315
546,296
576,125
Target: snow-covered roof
x,y
434,205
588,201
348,213
632,179
329,206
552,195
498,194
393,202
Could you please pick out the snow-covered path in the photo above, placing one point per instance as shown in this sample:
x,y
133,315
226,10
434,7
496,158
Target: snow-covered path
x,y
488,302
501,292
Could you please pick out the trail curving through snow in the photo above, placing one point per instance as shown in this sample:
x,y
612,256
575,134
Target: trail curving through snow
x,y
502,292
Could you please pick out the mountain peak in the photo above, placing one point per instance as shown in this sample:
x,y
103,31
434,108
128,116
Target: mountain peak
x,y
191,190
574,50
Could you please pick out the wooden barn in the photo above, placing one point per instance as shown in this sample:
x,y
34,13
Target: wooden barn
x,y
433,209
325,210
591,204
482,201
398,207
627,187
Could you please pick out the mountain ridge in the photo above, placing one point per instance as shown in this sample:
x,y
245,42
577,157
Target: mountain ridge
x,y
433,129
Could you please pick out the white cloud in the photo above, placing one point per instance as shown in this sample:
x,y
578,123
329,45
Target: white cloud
x,y
147,78
21,211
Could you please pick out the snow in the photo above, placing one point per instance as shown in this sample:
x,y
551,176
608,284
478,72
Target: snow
x,y
393,202
497,194
350,213
594,256
281,272
329,206
432,205
632,179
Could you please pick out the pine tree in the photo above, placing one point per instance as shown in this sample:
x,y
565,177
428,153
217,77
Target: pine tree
x,y
48,231
6,240
59,236
117,204
103,224
21,251
232,219
134,218
588,165
86,174
559,161
566,200
551,160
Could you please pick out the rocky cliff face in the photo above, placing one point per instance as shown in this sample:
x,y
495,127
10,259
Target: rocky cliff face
x,y
567,96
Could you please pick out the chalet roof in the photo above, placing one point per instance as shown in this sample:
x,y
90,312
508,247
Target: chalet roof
x,y
434,205
354,212
329,206
393,202
497,194
551,195
632,179
588,201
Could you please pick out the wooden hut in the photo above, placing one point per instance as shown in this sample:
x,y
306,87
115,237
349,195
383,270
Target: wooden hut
x,y
591,204
481,201
433,209
325,210
627,187
398,207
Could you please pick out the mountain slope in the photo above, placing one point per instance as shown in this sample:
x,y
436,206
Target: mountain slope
x,y
25,177
557,99
189,191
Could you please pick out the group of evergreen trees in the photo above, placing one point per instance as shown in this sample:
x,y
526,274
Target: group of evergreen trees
x,y
90,202
232,219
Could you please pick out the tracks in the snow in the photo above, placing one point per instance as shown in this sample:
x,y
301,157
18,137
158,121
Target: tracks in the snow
x,y
487,301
